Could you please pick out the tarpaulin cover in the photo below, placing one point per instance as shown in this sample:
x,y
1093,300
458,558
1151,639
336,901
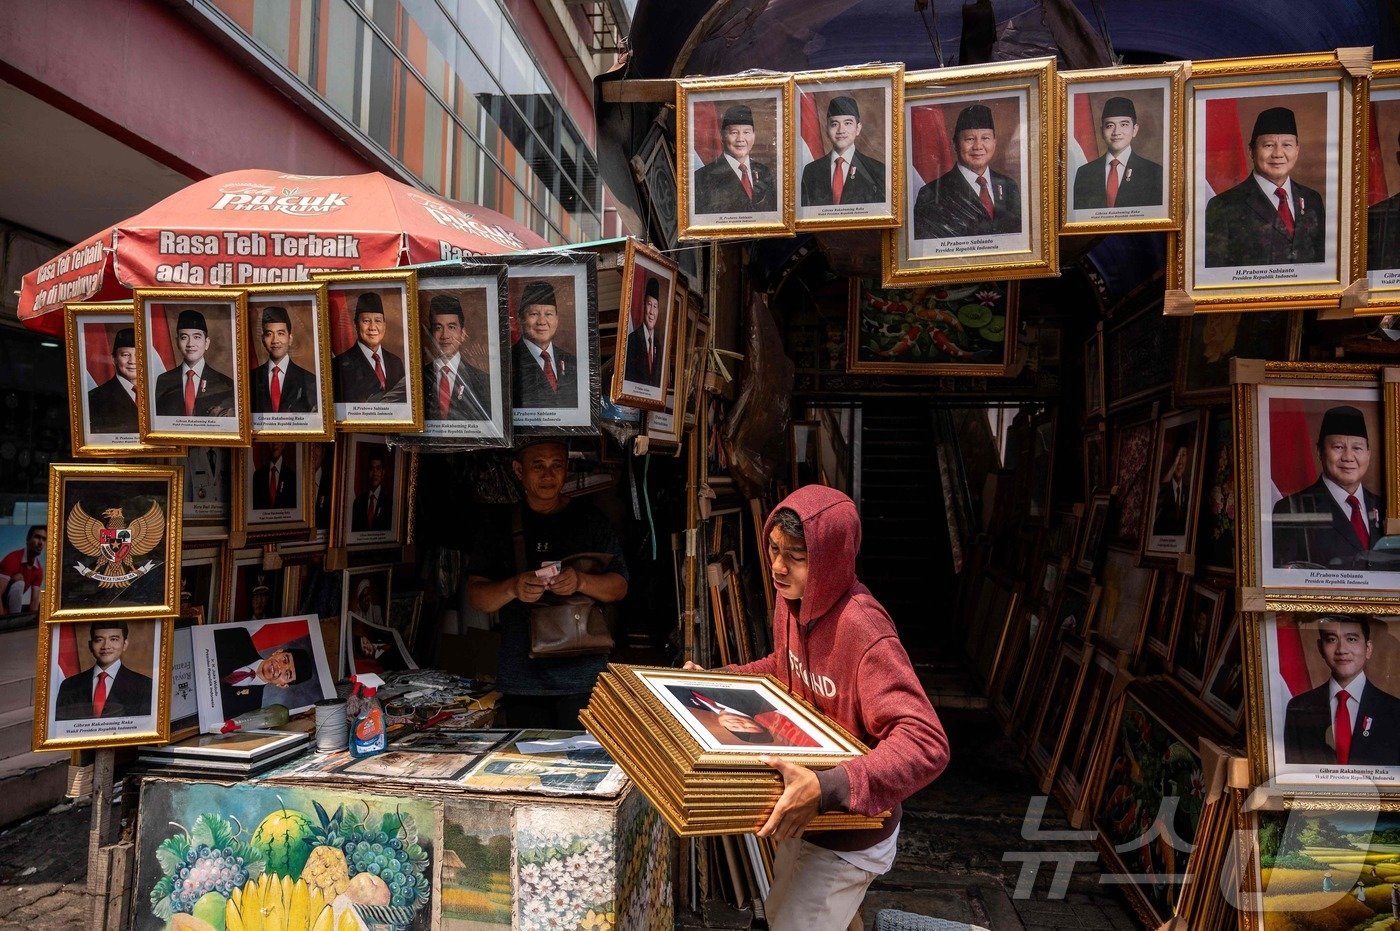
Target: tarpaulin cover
x,y
260,227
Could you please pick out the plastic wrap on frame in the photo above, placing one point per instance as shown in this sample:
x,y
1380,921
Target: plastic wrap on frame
x,y
482,384
757,428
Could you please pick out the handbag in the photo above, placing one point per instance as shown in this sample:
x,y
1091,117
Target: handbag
x,y
566,625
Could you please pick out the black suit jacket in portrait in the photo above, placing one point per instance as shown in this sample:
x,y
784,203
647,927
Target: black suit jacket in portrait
x,y
1243,227
128,695
213,398
470,393
1141,185
717,188
286,486
529,388
948,207
299,395
1310,527
1309,715
111,409
865,181
233,649
1383,234
636,368
383,511
1171,516
353,378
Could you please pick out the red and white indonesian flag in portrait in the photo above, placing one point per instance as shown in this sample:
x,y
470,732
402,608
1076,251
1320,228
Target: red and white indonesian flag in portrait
x,y
1226,163
1083,144
933,148
813,124
705,144
1292,666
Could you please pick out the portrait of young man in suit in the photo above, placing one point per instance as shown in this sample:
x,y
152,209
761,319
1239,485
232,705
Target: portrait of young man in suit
x,y
373,508
971,199
543,374
646,355
193,388
844,175
1383,228
244,672
280,386
1334,521
1268,218
112,404
734,182
1120,177
275,481
321,454
1173,496
1348,720
453,388
110,689
367,371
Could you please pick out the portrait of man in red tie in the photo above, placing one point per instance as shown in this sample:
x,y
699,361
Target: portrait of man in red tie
x,y
1334,522
735,181
1122,176
453,388
848,173
373,508
543,373
280,386
972,198
192,387
275,477
110,688
368,371
646,355
1348,720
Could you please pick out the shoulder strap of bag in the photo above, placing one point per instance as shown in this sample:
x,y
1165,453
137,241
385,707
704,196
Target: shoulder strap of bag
x,y
517,528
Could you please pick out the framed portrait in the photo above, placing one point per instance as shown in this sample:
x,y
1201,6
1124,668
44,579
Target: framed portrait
x,y
184,709
1121,168
1174,486
1223,691
555,372
274,495
252,592
1272,185
1194,645
465,365
979,197
1209,341
189,368
1091,542
115,533
961,330
101,348
366,594
1133,455
1047,734
373,333
102,684
374,648
1312,485
201,583
1095,461
734,156
1081,734
323,478
246,666
1093,374
375,493
664,426
646,328
1383,191
1215,541
802,443
209,513
850,134
289,361
1164,615
1128,594
1297,665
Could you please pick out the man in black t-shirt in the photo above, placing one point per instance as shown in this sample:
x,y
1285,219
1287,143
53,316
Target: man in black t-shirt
x,y
546,693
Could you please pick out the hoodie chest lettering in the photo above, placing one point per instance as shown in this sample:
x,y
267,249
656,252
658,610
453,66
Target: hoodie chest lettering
x,y
817,684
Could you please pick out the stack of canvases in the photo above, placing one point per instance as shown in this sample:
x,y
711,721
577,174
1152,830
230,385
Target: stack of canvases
x,y
692,742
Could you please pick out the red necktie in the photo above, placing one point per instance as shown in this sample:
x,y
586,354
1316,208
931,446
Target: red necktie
x,y
744,180
189,393
838,179
1113,181
986,196
370,514
99,695
549,375
1358,523
1285,213
272,486
1341,728
237,676
444,393
379,371
276,390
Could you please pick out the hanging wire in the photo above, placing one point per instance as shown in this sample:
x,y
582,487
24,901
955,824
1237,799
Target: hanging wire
x,y
1102,17
928,12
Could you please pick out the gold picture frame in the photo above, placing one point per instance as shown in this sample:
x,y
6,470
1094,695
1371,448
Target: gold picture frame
x,y
1170,526
1151,200
314,425
1208,342
54,705
96,543
287,515
664,427
1022,242
813,93
965,330
344,514
1297,553
641,266
713,194
156,345
359,405
1218,262
88,405
1383,217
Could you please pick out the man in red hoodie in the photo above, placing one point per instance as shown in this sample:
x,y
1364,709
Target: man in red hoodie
x,y
835,646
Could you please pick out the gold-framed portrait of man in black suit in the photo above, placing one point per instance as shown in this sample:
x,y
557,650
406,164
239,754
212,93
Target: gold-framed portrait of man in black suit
x,y
101,348
645,352
374,495
555,384
1383,190
288,344
849,129
734,152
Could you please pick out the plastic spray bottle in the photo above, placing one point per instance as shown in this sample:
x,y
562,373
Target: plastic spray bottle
x,y
368,734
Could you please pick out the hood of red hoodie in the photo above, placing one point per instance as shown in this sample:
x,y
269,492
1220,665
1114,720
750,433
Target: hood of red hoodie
x,y
831,526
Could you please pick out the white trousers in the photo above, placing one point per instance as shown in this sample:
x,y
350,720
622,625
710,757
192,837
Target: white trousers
x,y
813,889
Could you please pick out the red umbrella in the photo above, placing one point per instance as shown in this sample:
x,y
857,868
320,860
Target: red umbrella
x,y
258,227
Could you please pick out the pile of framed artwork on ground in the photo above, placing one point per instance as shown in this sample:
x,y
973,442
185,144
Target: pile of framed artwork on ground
x,y
692,742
